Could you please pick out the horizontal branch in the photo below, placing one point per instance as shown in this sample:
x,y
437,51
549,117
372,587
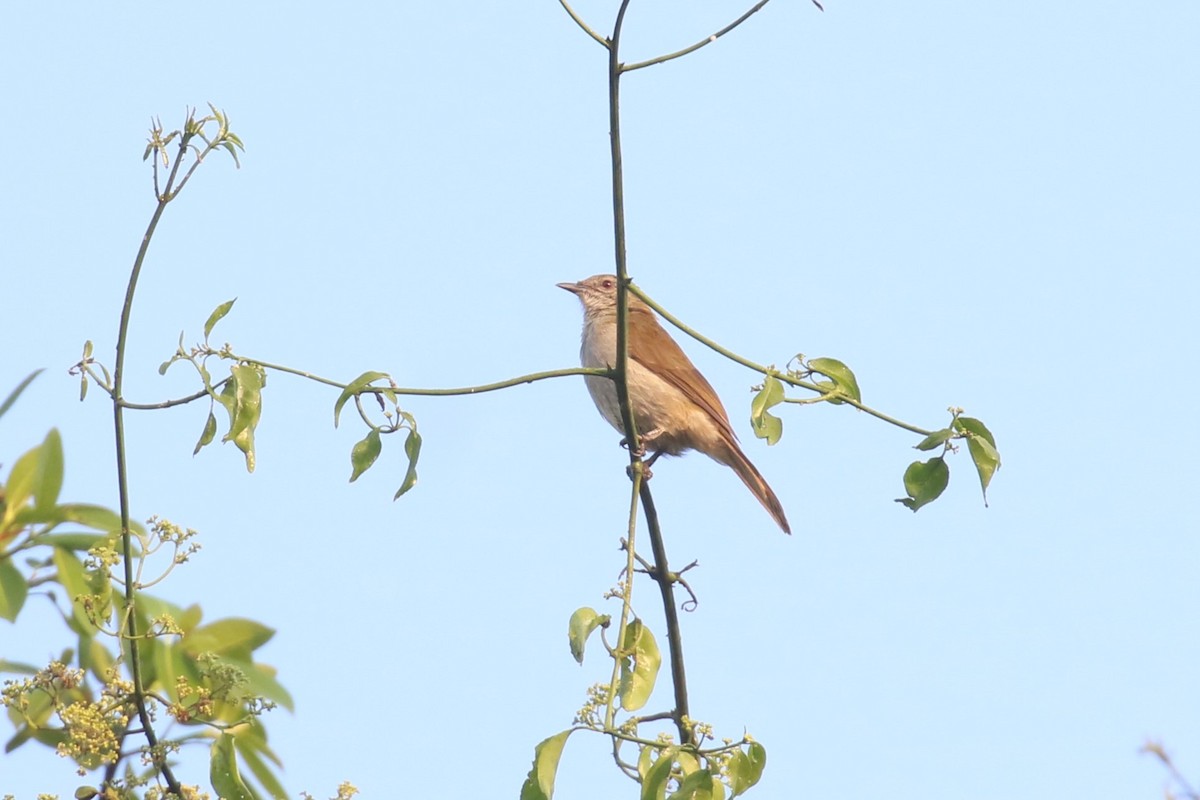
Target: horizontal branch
x,y
405,390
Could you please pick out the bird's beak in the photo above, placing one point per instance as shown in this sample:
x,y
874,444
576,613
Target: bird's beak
x,y
573,288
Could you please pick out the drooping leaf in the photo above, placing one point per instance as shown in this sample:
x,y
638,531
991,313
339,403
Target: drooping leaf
x,y
583,622
924,481
208,434
247,381
223,771
982,446
364,453
353,388
639,666
765,424
412,449
840,374
539,785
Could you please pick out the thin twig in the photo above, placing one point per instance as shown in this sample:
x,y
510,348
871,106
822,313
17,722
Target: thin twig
x,y
579,21
765,370
130,623
693,48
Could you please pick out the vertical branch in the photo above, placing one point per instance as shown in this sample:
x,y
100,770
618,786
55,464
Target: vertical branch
x,y
622,267
129,626
661,572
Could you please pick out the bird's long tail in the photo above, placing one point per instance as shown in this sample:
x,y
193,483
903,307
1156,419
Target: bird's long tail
x,y
733,456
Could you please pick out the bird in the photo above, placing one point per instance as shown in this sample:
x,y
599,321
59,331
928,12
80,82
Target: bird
x,y
675,408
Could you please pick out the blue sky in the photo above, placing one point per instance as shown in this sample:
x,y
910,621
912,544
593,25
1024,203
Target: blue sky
x,y
988,207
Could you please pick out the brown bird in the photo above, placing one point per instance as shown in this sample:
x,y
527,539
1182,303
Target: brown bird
x,y
674,407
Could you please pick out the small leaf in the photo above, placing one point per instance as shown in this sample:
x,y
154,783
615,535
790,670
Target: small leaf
x,y
15,393
539,785
13,590
218,313
639,666
583,622
363,454
982,446
842,376
766,425
412,449
208,434
935,439
353,388
223,771
924,481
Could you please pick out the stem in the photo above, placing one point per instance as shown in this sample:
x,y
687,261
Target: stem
x,y
765,370
660,573
618,198
666,585
626,597
130,634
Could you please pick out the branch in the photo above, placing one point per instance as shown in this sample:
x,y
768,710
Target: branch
x,y
407,390
765,370
699,44
579,21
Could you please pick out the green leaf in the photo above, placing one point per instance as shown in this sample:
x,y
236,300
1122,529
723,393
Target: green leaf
x,y
698,785
223,771
982,446
639,666
15,393
215,317
841,375
247,381
583,622
252,751
49,477
924,481
654,785
539,784
745,768
208,434
352,388
363,454
935,439
233,635
412,449
765,424
13,590
77,583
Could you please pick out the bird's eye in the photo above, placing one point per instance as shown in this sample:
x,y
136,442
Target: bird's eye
x,y
607,284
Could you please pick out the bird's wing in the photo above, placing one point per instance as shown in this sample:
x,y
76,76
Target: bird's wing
x,y
654,349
